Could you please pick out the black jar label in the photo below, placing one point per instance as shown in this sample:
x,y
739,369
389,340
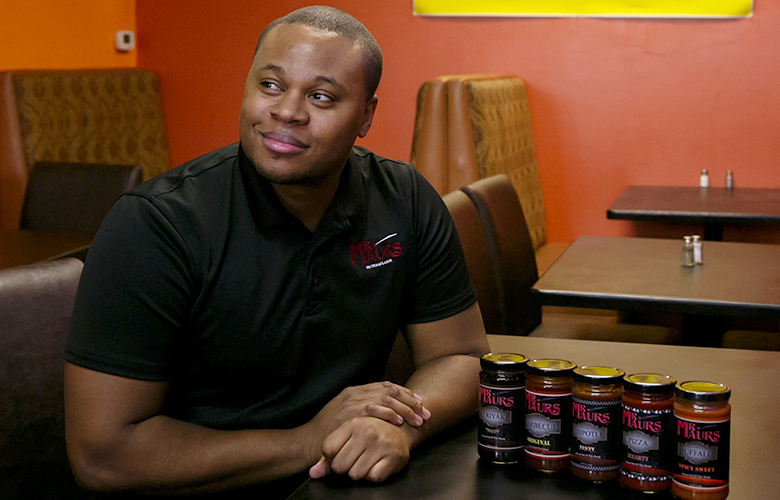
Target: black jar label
x,y
548,422
501,418
702,451
647,443
596,428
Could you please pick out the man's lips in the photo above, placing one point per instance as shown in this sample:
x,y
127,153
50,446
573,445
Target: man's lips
x,y
282,143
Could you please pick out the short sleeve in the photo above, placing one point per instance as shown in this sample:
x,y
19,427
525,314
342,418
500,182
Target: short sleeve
x,y
134,295
443,287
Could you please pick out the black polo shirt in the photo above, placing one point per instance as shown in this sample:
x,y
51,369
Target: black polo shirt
x,y
201,278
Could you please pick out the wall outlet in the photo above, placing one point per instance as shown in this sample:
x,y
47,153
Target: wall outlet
x,y
125,40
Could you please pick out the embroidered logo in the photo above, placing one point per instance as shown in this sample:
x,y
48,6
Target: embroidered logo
x,y
376,254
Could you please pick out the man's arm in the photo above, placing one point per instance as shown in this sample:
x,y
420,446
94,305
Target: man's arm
x,y
446,358
118,439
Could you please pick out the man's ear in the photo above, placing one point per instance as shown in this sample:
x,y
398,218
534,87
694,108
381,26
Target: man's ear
x,y
368,117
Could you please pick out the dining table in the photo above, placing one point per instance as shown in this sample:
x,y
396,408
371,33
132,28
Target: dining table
x,y
713,207
21,247
646,275
448,466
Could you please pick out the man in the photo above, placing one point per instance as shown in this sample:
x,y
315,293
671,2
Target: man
x,y
235,313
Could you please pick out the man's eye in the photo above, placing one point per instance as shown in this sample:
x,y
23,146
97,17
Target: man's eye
x,y
269,85
318,96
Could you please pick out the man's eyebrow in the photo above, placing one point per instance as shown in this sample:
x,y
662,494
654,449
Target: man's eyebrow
x,y
318,78
330,81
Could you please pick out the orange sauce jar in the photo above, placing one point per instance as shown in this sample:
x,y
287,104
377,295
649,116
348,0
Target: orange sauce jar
x,y
648,437
596,423
548,414
702,417
501,429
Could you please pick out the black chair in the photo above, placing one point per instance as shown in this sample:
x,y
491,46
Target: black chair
x,y
36,303
74,197
515,269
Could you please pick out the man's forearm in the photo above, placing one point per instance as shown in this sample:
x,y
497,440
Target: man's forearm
x,y
449,387
162,454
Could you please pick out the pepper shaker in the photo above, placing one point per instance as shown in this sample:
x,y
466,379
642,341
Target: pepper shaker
x,y
686,256
729,180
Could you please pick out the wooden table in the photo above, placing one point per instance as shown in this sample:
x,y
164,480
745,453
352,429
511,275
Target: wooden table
x,y
449,468
712,207
18,248
645,275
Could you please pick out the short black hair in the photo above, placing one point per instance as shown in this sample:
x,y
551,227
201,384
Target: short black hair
x,y
341,23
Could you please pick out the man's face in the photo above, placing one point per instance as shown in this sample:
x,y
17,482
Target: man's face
x,y
304,105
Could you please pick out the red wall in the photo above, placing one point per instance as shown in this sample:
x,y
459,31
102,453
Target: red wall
x,y
52,34
614,102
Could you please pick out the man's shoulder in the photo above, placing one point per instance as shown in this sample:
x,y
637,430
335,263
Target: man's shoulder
x,y
366,158
201,171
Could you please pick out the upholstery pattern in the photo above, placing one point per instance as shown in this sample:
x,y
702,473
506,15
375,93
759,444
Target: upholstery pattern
x,y
504,144
92,116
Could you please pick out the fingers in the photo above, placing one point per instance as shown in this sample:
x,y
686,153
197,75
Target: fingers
x,y
363,449
402,402
320,469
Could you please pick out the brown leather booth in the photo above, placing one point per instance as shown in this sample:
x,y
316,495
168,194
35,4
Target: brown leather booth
x,y
106,116
468,127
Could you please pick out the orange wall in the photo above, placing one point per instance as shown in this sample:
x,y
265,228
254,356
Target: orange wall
x,y
53,34
614,102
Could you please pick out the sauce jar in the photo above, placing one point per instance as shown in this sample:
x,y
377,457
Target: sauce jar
x,y
596,423
702,417
548,414
501,433
648,437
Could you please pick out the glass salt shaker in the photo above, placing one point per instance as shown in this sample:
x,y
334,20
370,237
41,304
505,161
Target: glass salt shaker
x,y
696,240
704,179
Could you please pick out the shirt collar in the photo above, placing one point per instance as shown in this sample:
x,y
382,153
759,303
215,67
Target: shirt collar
x,y
267,210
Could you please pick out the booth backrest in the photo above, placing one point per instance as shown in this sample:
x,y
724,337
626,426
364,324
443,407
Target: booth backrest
x,y
468,127
107,116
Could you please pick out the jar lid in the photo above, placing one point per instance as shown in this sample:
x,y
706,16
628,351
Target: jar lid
x,y
649,382
507,361
551,367
598,375
702,391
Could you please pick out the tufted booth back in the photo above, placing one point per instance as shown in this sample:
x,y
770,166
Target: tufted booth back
x,y
469,127
108,116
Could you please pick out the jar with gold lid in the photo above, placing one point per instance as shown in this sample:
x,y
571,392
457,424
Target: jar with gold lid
x,y
548,414
702,417
501,429
648,437
596,425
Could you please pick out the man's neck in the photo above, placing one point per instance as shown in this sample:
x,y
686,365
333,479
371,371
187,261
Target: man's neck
x,y
307,203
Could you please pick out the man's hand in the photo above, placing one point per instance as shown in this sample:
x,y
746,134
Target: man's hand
x,y
364,448
386,401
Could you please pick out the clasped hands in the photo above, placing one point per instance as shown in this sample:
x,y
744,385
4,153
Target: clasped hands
x,y
363,432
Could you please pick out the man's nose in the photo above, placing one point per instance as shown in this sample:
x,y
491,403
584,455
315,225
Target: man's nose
x,y
290,108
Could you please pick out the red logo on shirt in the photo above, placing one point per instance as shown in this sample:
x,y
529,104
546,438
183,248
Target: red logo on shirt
x,y
366,252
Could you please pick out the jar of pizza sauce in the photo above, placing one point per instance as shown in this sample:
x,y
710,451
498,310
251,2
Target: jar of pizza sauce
x,y
648,437
501,433
548,414
596,423
702,417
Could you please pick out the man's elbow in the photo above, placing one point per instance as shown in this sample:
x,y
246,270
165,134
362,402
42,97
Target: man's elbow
x,y
95,468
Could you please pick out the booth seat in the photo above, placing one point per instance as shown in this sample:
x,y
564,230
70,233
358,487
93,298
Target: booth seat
x,y
101,116
468,127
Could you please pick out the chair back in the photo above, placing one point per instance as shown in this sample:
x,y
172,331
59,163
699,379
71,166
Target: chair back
x,y
512,252
478,259
106,116
36,303
468,127
74,197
